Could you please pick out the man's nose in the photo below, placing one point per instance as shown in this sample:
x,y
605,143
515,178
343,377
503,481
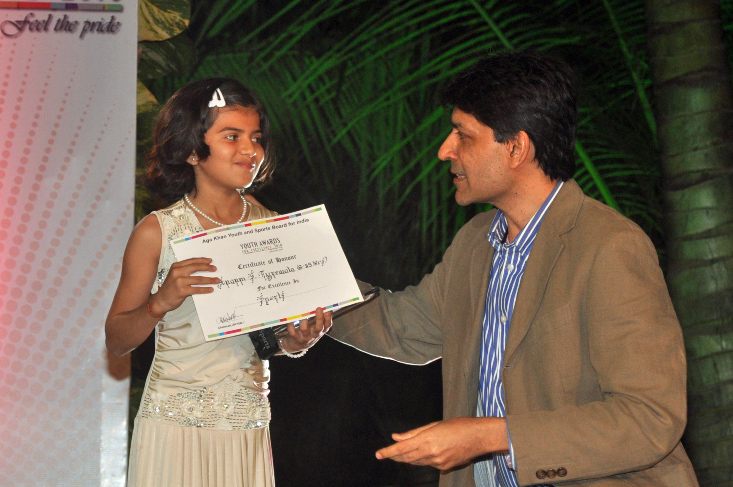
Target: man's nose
x,y
446,151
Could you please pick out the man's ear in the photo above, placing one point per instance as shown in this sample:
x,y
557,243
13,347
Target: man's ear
x,y
520,148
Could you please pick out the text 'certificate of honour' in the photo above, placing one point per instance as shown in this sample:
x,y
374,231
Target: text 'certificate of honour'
x,y
273,271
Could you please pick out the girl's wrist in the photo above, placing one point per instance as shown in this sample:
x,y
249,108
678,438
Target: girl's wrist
x,y
297,354
151,311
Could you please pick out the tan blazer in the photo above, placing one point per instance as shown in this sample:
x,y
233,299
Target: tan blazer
x,y
594,372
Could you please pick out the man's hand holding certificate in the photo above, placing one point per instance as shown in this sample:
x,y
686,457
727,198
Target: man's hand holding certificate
x,y
272,272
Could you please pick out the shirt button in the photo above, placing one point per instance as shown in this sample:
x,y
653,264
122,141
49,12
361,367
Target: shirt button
x,y
503,318
510,267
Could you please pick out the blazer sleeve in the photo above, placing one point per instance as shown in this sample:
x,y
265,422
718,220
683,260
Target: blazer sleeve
x,y
407,326
629,411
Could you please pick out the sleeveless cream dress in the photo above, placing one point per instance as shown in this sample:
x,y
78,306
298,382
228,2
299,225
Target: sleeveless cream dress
x,y
204,416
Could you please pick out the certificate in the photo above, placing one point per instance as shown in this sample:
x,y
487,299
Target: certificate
x,y
272,271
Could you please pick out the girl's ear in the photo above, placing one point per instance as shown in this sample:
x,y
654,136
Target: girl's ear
x,y
193,159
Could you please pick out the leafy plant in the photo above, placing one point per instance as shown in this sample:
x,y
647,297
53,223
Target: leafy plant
x,y
352,89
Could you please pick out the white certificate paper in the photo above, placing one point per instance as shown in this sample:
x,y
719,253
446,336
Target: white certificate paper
x,y
273,271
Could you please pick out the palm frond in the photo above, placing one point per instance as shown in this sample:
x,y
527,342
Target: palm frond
x,y
352,89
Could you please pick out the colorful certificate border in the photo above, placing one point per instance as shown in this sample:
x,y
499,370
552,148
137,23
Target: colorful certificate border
x,y
86,7
253,223
282,320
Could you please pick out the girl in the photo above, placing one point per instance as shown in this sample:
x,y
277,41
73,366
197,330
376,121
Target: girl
x,y
204,415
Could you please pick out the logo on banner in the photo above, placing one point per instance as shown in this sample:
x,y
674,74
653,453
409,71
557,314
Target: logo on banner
x,y
54,22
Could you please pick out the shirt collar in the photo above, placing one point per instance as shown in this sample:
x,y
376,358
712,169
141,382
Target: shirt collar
x,y
523,242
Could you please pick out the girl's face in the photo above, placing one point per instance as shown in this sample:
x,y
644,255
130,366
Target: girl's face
x,y
235,150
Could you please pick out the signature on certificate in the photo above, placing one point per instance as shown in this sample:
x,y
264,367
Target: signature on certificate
x,y
227,317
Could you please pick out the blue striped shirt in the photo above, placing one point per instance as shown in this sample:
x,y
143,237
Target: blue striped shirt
x,y
507,268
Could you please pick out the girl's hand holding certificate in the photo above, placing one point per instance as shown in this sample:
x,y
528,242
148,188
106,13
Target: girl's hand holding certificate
x,y
181,283
307,333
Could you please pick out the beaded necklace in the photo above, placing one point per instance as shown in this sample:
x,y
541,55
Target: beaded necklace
x,y
241,218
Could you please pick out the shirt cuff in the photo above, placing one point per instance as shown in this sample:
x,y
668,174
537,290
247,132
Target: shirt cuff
x,y
510,458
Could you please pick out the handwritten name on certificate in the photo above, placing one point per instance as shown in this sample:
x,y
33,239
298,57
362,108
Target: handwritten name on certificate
x,y
273,271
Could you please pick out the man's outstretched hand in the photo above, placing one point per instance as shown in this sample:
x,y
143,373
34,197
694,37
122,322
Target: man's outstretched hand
x,y
448,444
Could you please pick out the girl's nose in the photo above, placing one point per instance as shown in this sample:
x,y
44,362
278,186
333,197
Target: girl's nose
x,y
248,149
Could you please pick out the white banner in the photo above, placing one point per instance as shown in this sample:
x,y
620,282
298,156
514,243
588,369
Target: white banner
x,y
67,149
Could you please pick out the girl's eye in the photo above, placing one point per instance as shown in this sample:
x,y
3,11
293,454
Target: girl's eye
x,y
257,139
231,137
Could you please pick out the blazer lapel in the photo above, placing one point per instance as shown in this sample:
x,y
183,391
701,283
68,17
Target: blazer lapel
x,y
548,246
478,283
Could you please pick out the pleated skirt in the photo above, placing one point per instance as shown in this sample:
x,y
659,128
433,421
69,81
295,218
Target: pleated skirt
x,y
168,455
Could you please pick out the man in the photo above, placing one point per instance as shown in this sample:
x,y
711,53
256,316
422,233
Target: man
x,y
563,360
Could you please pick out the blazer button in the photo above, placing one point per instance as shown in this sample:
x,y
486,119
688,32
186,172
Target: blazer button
x,y
562,472
541,474
551,474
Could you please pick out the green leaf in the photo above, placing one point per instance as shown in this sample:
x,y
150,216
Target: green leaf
x,y
161,19
157,59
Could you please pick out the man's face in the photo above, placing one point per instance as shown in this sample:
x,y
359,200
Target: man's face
x,y
478,162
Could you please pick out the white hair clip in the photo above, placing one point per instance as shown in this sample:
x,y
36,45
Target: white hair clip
x,y
217,100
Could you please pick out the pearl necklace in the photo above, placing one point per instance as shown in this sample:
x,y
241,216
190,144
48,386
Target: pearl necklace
x,y
241,218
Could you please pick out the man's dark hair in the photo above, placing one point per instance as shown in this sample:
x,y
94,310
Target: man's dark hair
x,y
525,90
180,129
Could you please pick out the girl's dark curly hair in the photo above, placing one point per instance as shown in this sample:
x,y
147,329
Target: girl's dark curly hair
x,y
180,129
